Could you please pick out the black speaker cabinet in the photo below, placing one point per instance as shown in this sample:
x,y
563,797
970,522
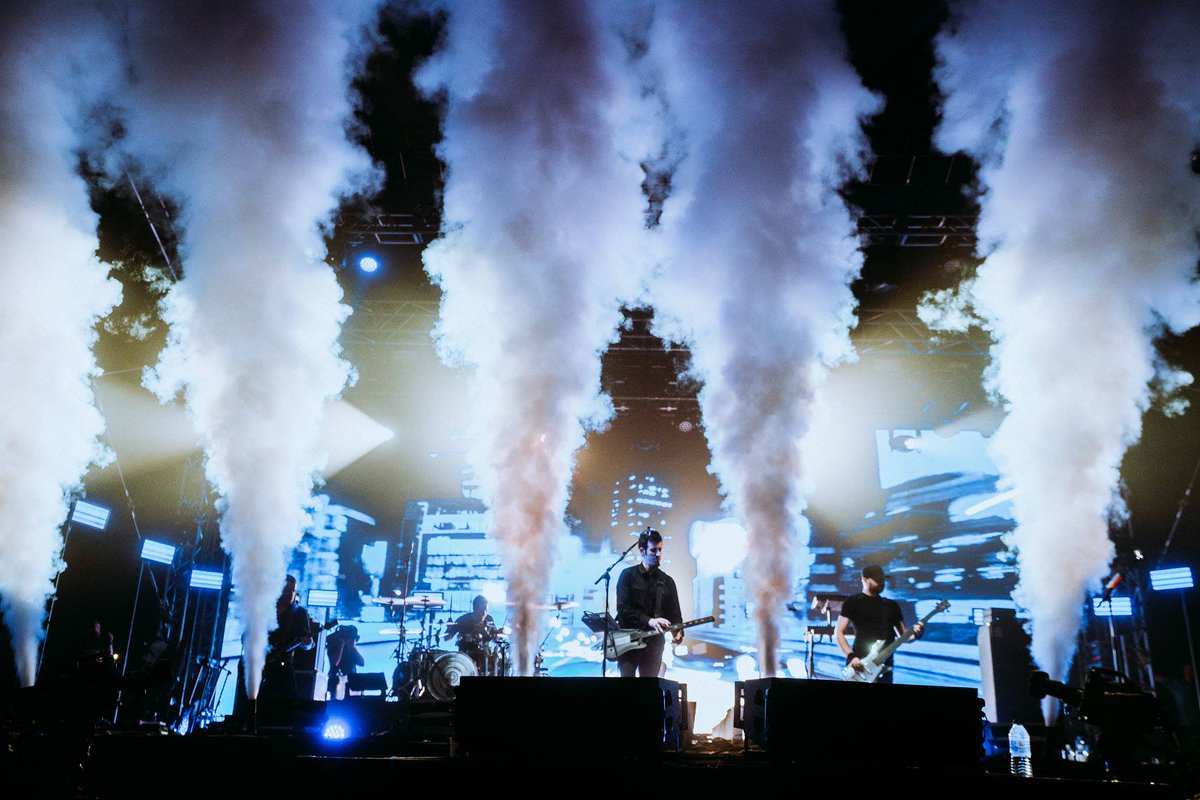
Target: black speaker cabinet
x,y
1005,666
844,723
577,717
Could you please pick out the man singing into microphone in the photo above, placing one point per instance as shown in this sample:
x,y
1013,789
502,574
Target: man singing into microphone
x,y
647,600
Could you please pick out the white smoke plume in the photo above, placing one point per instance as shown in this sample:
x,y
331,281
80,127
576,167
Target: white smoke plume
x,y
1083,117
760,253
54,292
239,110
542,216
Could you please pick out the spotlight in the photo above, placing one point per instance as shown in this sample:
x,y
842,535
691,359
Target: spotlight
x,y
206,579
1162,580
335,730
158,552
368,264
322,598
90,514
1113,607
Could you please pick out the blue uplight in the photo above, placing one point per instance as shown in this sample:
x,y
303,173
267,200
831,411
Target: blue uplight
x,y
1118,607
1173,578
206,579
90,514
322,598
368,264
158,552
335,730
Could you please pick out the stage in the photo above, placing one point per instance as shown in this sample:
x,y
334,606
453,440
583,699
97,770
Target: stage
x,y
570,735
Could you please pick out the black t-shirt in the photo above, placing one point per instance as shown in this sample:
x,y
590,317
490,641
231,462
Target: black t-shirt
x,y
471,627
874,618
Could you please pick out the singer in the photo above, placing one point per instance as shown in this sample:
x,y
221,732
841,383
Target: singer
x,y
647,600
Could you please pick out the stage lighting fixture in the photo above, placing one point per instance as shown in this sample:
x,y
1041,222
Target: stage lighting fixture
x,y
1114,607
322,598
368,264
1110,701
206,579
1173,578
89,515
335,730
158,552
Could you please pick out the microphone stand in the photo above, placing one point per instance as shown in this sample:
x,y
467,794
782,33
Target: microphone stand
x,y
607,578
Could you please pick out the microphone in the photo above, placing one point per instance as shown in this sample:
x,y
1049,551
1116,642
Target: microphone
x,y
1113,582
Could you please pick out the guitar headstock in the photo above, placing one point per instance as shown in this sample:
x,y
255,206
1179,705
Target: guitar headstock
x,y
941,606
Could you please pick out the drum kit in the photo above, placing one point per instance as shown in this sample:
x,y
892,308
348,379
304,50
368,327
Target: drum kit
x,y
423,669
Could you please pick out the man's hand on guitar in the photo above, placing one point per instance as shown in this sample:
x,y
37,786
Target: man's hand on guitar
x,y
856,665
918,630
659,624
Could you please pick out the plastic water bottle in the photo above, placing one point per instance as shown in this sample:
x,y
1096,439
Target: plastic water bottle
x,y
1019,755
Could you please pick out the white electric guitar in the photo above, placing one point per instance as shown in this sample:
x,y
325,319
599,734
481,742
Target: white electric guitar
x,y
622,640
875,662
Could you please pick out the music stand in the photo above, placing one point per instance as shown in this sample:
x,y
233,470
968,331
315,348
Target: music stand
x,y
596,621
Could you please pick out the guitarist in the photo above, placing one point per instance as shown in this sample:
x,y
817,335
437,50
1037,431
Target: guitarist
x,y
874,617
647,600
292,639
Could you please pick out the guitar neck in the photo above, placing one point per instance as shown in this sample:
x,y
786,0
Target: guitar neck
x,y
681,625
674,628
889,649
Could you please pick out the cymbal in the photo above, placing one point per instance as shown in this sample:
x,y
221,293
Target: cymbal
x,y
423,600
559,606
398,631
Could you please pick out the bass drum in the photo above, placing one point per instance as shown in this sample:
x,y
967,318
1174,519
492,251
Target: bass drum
x,y
445,672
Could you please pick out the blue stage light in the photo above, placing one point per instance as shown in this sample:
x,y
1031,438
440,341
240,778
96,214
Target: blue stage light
x,y
1173,578
90,514
322,598
158,552
1119,607
368,264
335,730
207,579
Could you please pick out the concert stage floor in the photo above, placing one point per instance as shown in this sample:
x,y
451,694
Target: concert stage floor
x,y
569,737
128,764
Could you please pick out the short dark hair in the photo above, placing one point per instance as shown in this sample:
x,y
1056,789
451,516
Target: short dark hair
x,y
479,602
873,572
647,536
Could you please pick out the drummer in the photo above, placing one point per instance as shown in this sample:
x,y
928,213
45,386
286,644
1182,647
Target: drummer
x,y
475,628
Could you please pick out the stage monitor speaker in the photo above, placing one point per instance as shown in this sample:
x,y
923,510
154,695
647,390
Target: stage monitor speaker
x,y
831,722
361,682
576,717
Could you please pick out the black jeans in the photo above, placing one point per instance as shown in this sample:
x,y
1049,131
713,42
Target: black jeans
x,y
645,662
